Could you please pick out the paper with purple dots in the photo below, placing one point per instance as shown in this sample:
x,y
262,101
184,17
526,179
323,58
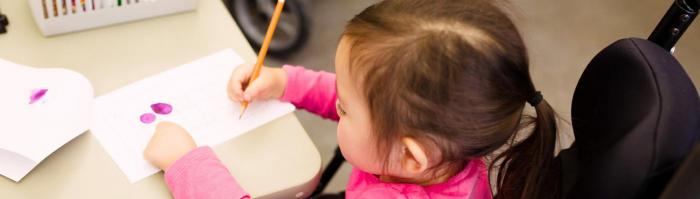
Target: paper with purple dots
x,y
192,95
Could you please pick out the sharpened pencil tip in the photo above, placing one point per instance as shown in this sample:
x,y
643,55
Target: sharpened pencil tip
x,y
241,115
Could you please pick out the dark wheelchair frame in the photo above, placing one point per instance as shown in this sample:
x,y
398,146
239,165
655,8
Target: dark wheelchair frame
x,y
253,17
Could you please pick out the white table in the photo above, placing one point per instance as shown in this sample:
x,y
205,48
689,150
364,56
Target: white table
x,y
277,160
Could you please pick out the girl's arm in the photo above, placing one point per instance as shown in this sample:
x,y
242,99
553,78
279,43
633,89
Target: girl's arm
x,y
311,90
199,174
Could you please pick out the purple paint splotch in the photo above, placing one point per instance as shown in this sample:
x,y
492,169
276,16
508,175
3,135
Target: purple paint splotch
x,y
36,95
158,108
148,118
162,108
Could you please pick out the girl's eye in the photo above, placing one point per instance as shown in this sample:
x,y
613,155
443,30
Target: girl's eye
x,y
339,109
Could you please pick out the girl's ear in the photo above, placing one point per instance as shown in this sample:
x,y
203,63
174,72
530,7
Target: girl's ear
x,y
414,159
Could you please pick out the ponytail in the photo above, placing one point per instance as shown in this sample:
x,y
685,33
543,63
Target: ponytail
x,y
528,166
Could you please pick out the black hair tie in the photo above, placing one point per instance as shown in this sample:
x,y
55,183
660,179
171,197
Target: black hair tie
x,y
535,99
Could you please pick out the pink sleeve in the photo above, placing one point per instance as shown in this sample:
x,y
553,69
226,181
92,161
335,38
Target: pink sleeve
x,y
200,174
311,90
382,192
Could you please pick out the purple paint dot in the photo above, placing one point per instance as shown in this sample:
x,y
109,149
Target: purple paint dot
x,y
36,95
148,118
162,108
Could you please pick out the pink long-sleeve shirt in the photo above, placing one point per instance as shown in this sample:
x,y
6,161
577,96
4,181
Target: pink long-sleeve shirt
x,y
200,174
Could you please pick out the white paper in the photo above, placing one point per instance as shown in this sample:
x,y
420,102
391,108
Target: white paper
x,y
197,93
31,132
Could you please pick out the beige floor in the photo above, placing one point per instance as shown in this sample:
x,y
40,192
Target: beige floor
x,y
562,37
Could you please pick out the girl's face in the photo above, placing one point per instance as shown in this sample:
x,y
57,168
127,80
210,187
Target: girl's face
x,y
354,127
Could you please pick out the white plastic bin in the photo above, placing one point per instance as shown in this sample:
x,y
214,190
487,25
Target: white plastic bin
x,y
63,16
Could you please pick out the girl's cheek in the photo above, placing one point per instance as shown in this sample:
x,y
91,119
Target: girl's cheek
x,y
339,129
342,140
345,139
340,134
347,142
355,147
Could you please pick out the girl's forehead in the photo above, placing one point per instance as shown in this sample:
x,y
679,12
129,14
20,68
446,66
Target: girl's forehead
x,y
342,52
343,85
348,82
342,60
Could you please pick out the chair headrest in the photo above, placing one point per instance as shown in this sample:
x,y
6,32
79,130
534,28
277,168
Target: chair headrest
x,y
635,114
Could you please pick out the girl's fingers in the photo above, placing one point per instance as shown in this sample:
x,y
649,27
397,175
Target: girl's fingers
x,y
236,84
240,90
257,90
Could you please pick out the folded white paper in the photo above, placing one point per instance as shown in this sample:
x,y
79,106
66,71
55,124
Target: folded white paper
x,y
32,130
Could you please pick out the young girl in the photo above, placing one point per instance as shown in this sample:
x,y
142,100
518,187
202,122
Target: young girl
x,y
423,90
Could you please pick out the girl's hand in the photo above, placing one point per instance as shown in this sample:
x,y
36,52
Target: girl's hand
x,y
269,84
169,143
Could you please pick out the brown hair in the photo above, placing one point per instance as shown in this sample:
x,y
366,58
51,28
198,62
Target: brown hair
x,y
453,74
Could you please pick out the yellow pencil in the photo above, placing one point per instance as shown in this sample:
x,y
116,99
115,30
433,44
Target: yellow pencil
x,y
263,49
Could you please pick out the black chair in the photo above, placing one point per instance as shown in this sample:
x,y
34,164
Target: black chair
x,y
253,17
686,181
329,172
636,117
